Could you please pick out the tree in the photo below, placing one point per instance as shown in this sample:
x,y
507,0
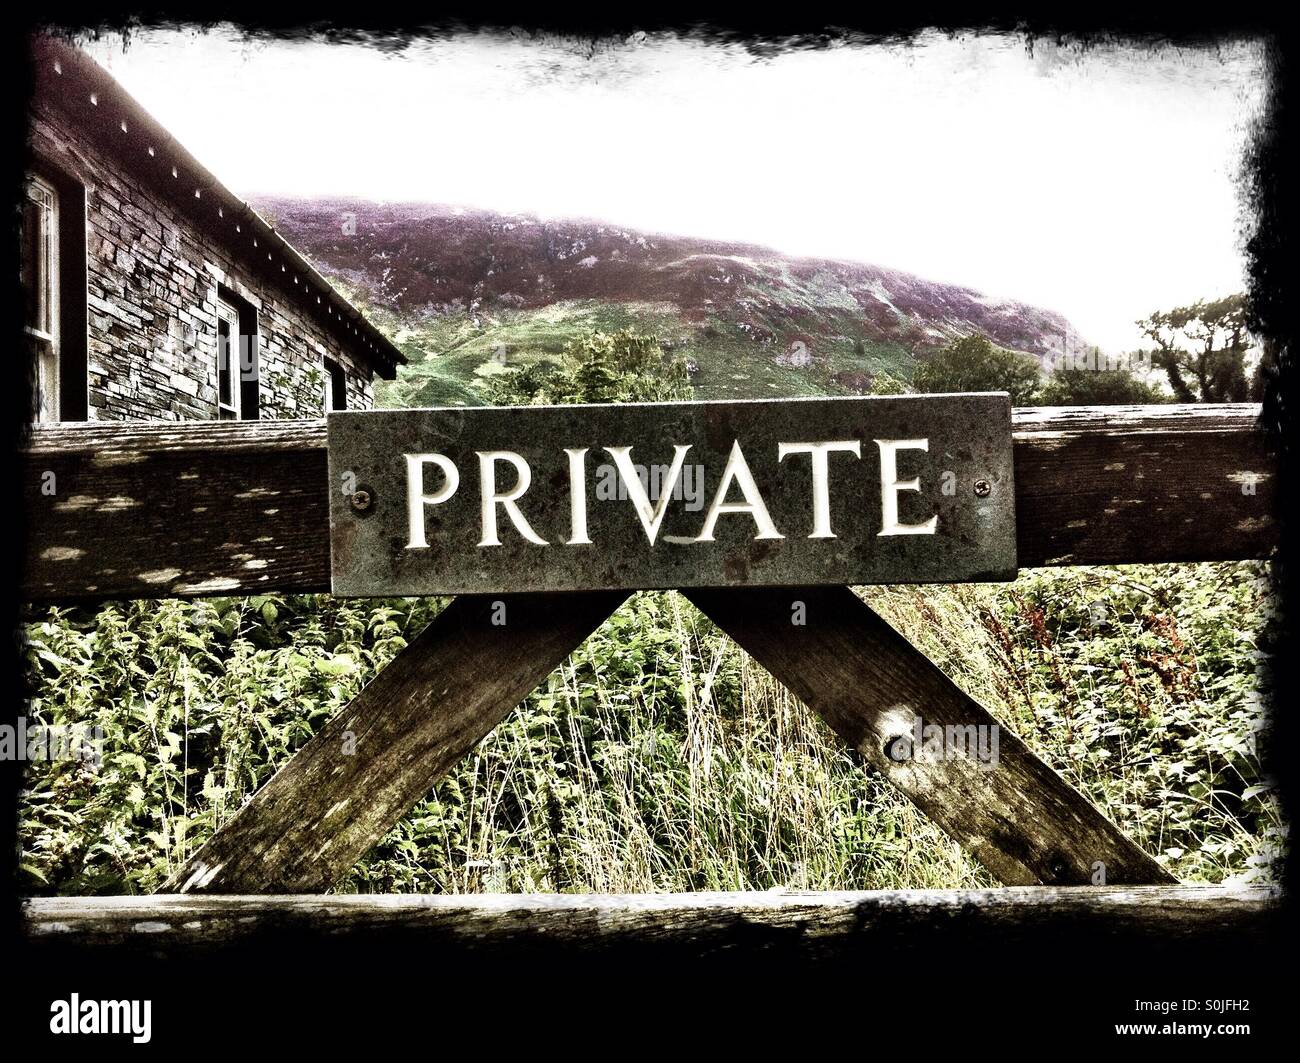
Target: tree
x,y
1096,387
1202,349
621,366
975,363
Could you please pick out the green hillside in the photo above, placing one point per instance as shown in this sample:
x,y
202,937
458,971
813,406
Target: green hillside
x,y
466,294
451,358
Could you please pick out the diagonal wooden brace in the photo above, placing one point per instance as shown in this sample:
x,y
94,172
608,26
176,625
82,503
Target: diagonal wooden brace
x,y
1019,818
453,684
344,789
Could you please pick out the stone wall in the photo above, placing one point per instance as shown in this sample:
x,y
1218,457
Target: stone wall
x,y
153,281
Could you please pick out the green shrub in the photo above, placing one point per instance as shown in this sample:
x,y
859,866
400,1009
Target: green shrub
x,y
974,363
1097,387
619,366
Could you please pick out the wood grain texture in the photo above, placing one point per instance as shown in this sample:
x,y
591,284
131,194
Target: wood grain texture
x,y
1100,485
342,791
685,926
157,510
175,510
1019,818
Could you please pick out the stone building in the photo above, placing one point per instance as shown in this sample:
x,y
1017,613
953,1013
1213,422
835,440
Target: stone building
x,y
152,291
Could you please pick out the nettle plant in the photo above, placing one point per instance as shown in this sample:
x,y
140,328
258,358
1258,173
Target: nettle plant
x,y
199,703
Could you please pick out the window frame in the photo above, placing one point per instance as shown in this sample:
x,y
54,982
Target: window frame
x,y
72,259
45,346
336,384
229,312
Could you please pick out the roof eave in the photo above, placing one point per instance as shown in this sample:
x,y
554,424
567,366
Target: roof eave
x,y
60,66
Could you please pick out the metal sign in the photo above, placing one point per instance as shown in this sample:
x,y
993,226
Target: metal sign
x,y
907,489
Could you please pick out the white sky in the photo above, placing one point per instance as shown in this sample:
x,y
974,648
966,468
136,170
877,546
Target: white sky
x,y
1101,183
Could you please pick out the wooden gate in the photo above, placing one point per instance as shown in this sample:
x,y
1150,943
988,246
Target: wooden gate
x,y
155,510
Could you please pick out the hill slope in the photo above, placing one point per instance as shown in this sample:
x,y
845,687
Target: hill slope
x,y
466,293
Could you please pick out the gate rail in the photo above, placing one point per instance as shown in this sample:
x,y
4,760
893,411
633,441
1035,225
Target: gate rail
x,y
151,510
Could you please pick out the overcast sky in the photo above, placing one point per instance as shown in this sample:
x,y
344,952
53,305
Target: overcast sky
x,y
1102,184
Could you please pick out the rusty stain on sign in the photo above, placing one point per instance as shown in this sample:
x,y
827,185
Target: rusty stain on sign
x,y
905,489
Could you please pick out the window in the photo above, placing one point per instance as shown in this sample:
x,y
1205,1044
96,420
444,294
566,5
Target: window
x,y
228,362
53,272
40,278
336,386
238,397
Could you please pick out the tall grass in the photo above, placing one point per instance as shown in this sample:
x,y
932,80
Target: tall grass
x,y
658,756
